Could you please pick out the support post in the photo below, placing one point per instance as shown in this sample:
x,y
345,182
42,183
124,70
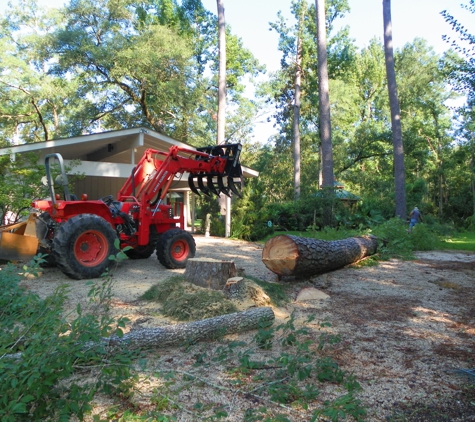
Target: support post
x,y
227,231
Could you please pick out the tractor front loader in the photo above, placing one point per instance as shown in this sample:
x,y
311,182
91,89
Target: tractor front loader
x,y
79,235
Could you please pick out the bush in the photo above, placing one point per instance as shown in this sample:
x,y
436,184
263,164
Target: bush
x,y
41,351
250,215
394,240
423,239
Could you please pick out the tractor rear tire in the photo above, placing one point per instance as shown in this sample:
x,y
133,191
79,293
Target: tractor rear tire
x,y
82,246
175,247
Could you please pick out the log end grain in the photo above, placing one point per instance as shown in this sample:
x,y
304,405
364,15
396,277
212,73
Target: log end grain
x,y
280,255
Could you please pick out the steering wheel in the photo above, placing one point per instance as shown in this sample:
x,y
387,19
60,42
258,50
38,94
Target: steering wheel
x,y
107,199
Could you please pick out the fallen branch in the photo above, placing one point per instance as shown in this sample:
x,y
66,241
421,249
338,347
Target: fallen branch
x,y
188,333
192,332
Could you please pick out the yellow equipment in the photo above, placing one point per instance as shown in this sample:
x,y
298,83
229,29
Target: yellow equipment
x,y
18,242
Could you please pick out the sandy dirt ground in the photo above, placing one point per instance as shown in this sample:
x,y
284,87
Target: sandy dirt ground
x,y
406,327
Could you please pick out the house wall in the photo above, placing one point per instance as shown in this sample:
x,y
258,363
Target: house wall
x,y
97,187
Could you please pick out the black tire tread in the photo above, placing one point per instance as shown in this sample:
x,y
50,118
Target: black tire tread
x,y
165,243
63,245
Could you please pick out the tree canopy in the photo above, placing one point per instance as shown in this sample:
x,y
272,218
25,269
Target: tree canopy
x,y
97,65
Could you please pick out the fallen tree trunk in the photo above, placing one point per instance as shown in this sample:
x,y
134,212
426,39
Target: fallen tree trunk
x,y
288,255
192,332
184,334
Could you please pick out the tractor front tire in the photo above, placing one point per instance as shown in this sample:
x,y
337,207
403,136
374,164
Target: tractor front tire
x,y
175,247
82,246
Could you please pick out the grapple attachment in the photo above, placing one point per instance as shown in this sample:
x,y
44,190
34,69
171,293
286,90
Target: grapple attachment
x,y
228,181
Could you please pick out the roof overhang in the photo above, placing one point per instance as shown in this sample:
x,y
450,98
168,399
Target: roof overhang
x,y
107,154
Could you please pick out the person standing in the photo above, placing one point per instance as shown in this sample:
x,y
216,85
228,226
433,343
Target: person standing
x,y
415,217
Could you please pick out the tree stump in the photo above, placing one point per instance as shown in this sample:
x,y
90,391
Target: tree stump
x,y
189,333
235,288
209,273
288,255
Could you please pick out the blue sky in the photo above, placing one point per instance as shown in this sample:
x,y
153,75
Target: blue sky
x,y
411,18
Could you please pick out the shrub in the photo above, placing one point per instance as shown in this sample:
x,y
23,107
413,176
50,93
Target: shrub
x,y
423,239
394,239
41,351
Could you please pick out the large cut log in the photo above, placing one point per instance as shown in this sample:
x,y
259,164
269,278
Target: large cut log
x,y
288,255
192,332
209,273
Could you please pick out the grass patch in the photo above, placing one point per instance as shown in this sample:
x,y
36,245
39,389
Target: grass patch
x,y
458,242
184,301
278,294
369,261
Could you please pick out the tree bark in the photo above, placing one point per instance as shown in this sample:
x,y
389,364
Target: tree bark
x,y
192,332
221,120
189,333
223,200
399,170
324,109
296,120
288,255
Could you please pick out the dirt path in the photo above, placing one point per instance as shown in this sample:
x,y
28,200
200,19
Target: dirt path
x,y
405,326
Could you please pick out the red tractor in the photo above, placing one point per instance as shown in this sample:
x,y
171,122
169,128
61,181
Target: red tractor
x,y
80,235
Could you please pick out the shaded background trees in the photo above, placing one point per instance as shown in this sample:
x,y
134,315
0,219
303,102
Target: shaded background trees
x,y
98,65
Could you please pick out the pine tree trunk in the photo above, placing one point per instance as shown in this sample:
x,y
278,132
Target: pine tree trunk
x,y
296,120
192,332
185,334
324,111
288,255
221,119
399,170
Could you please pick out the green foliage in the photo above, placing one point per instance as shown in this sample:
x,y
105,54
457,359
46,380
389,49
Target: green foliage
x,y
209,211
249,214
20,184
278,293
52,364
423,238
464,241
286,368
186,302
394,239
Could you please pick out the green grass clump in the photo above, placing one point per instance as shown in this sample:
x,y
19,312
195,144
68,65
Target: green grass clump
x,y
277,293
458,242
184,301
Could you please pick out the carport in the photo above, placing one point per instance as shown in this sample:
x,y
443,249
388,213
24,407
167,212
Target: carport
x,y
106,160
